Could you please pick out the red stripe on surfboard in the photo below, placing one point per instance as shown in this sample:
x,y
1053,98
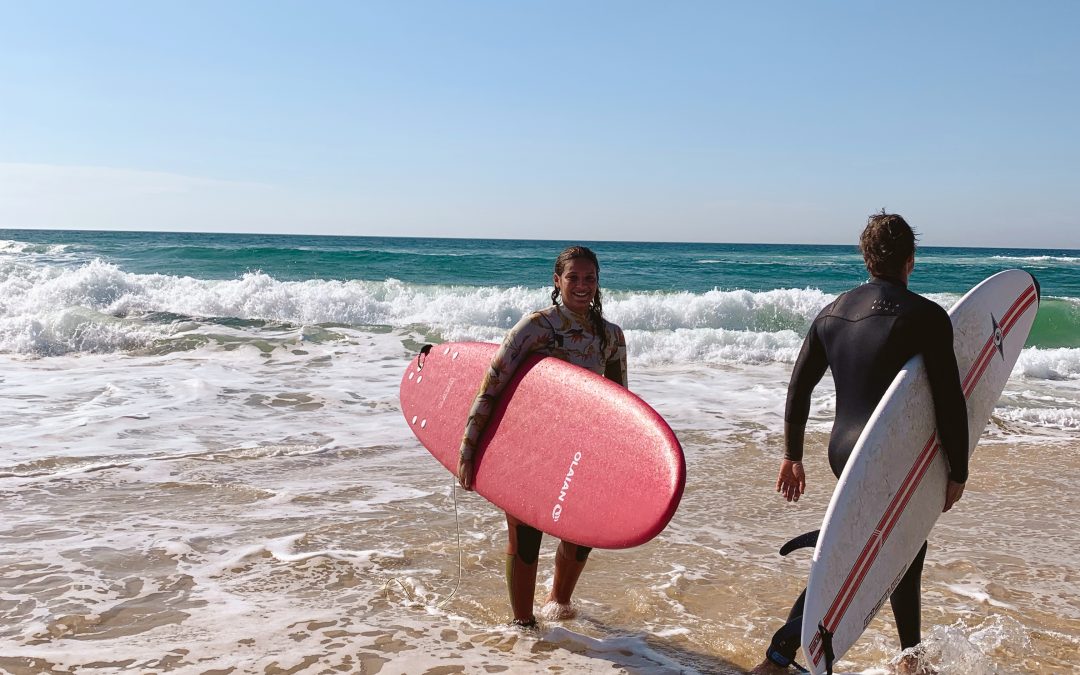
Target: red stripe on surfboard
x,y
922,466
875,551
1007,321
873,546
984,355
881,533
915,475
1026,297
1006,327
884,526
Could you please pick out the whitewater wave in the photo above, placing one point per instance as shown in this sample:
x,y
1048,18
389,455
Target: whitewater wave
x,y
10,247
1049,364
48,310
1040,258
97,306
1065,419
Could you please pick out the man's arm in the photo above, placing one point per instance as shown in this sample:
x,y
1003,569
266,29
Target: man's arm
x,y
950,407
791,481
808,370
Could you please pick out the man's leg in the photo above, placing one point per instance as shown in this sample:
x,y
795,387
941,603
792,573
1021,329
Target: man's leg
x,y
906,602
785,642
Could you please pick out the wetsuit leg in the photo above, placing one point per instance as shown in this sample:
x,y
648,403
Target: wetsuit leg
x,y
570,560
785,642
522,551
906,602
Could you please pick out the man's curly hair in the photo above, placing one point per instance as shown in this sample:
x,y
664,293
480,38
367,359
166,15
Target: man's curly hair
x,y
887,243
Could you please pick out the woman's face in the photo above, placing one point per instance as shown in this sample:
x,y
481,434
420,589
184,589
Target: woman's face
x,y
577,284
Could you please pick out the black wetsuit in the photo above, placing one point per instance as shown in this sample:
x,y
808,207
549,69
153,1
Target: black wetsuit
x,y
865,336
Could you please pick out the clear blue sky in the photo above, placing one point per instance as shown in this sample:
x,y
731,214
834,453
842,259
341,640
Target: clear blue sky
x,y
657,121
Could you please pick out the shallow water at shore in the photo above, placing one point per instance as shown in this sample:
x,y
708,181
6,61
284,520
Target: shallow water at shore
x,y
264,508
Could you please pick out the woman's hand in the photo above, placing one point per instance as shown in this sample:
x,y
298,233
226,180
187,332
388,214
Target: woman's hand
x,y
792,480
465,472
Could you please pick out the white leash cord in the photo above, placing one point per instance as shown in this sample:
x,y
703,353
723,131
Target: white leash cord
x,y
457,532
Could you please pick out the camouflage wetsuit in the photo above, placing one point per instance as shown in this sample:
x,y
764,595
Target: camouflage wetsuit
x,y
554,331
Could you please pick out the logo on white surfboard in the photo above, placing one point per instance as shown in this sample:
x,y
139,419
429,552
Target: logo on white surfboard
x,y
999,337
556,511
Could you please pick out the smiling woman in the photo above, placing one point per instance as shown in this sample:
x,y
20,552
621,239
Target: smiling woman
x,y
578,283
576,332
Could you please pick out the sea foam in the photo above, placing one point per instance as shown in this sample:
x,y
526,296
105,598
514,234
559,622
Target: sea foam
x,y
49,310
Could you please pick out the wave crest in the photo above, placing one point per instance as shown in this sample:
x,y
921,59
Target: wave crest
x,y
1049,364
49,310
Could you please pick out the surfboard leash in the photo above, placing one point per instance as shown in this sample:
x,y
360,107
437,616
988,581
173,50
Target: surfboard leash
x,y
457,533
826,642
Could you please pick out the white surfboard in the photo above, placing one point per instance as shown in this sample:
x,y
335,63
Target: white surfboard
x,y
893,488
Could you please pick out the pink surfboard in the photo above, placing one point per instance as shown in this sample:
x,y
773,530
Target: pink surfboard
x,y
566,451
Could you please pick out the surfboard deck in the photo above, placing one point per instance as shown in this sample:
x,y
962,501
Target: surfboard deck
x,y
566,451
892,490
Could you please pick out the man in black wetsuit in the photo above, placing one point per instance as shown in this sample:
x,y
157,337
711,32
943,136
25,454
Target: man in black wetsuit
x,y
865,336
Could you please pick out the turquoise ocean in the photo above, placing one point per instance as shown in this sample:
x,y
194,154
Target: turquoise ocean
x,y
150,279
203,467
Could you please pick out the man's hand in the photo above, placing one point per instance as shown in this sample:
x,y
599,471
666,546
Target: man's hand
x,y
792,480
953,492
465,472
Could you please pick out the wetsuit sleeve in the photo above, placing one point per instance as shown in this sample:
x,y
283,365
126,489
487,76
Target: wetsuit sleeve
x,y
615,366
809,368
950,408
529,335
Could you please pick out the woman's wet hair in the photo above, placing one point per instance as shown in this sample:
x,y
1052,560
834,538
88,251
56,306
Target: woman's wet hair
x,y
596,308
887,243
